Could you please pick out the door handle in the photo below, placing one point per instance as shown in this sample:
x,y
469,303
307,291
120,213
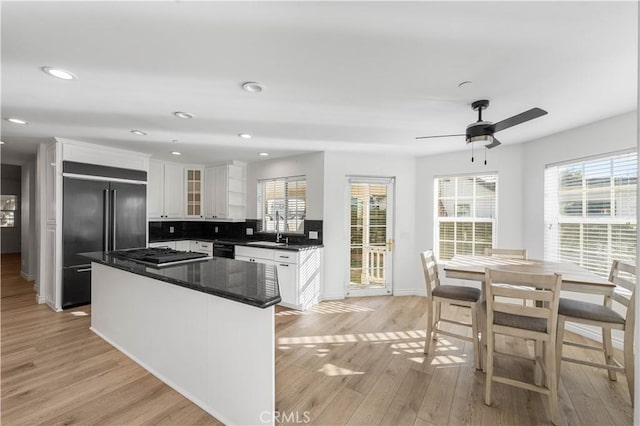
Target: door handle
x,y
113,210
106,219
84,270
389,245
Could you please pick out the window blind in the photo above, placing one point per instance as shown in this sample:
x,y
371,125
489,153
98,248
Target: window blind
x,y
590,211
465,214
282,204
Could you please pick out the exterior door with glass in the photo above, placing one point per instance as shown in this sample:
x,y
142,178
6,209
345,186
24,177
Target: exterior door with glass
x,y
370,214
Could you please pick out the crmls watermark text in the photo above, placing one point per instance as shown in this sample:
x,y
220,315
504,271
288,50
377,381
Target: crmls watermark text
x,y
285,417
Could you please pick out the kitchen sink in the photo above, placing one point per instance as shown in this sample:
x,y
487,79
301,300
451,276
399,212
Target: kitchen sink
x,y
264,243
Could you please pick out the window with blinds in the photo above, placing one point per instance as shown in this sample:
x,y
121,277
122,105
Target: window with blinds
x,y
465,214
282,204
590,211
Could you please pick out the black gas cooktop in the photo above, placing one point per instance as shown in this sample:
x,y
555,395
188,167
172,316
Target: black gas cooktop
x,y
160,256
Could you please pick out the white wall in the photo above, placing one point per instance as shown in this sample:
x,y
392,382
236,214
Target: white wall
x,y
28,243
311,165
337,166
613,134
506,161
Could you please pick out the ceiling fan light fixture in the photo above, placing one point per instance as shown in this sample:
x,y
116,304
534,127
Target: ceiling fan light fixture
x,y
483,139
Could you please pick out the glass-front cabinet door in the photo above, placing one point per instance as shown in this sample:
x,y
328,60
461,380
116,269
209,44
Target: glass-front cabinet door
x,y
194,192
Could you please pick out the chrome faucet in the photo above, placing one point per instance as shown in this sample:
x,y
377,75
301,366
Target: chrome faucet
x,y
278,233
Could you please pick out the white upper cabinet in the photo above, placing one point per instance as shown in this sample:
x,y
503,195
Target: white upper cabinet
x,y
225,192
165,190
176,191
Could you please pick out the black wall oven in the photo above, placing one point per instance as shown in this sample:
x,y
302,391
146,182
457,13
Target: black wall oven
x,y
224,250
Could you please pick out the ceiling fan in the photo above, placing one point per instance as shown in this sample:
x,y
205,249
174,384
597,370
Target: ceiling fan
x,y
482,131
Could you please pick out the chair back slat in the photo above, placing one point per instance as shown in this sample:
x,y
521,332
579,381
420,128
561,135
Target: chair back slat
x,y
521,292
430,269
524,311
507,253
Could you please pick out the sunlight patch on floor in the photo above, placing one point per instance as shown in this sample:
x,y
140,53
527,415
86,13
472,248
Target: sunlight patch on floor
x,y
387,336
334,370
327,308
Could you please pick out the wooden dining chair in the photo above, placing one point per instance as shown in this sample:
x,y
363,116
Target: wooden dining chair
x,y
537,322
507,253
623,275
449,294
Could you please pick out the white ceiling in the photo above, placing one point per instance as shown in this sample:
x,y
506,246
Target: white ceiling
x,y
337,75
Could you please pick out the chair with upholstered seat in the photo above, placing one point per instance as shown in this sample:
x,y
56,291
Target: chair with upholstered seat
x,y
537,322
603,316
448,294
506,253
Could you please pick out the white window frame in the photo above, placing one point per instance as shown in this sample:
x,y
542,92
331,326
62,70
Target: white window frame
x,y
553,218
438,220
285,221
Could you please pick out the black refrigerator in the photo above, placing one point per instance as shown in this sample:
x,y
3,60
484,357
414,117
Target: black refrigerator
x,y
104,209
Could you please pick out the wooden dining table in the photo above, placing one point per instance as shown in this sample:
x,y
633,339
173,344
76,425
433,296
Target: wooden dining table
x,y
574,277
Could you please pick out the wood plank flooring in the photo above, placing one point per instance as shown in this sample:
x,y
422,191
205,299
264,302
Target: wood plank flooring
x,y
357,361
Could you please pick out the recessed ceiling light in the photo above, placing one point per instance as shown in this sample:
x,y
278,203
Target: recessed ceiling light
x,y
182,114
244,135
176,153
464,83
59,73
264,154
16,120
139,133
252,86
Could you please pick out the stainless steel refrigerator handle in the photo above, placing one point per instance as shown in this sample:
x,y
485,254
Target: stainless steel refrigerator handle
x,y
113,226
106,220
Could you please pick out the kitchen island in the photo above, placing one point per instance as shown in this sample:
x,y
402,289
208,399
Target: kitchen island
x,y
204,328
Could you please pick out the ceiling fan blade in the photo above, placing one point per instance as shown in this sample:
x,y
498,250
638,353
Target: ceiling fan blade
x,y
493,144
439,136
519,118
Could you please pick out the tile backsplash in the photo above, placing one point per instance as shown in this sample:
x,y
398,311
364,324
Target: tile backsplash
x,y
170,230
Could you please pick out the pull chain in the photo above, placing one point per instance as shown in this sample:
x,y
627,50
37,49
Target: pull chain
x,y
472,152
485,156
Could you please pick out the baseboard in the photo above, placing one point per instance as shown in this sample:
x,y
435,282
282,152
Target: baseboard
x,y
168,382
333,296
593,333
410,292
27,276
40,299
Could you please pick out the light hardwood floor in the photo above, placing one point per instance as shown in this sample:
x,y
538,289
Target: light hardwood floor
x,y
357,361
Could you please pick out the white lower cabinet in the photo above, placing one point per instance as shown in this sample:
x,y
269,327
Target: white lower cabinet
x,y
299,273
183,245
164,244
202,247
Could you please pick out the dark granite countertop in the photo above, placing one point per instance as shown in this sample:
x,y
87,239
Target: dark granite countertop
x,y
250,283
248,243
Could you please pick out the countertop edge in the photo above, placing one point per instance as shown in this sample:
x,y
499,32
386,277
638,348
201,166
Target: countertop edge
x,y
206,290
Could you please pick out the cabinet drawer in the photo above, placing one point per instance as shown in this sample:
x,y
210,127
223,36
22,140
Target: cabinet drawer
x,y
258,253
165,244
285,256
